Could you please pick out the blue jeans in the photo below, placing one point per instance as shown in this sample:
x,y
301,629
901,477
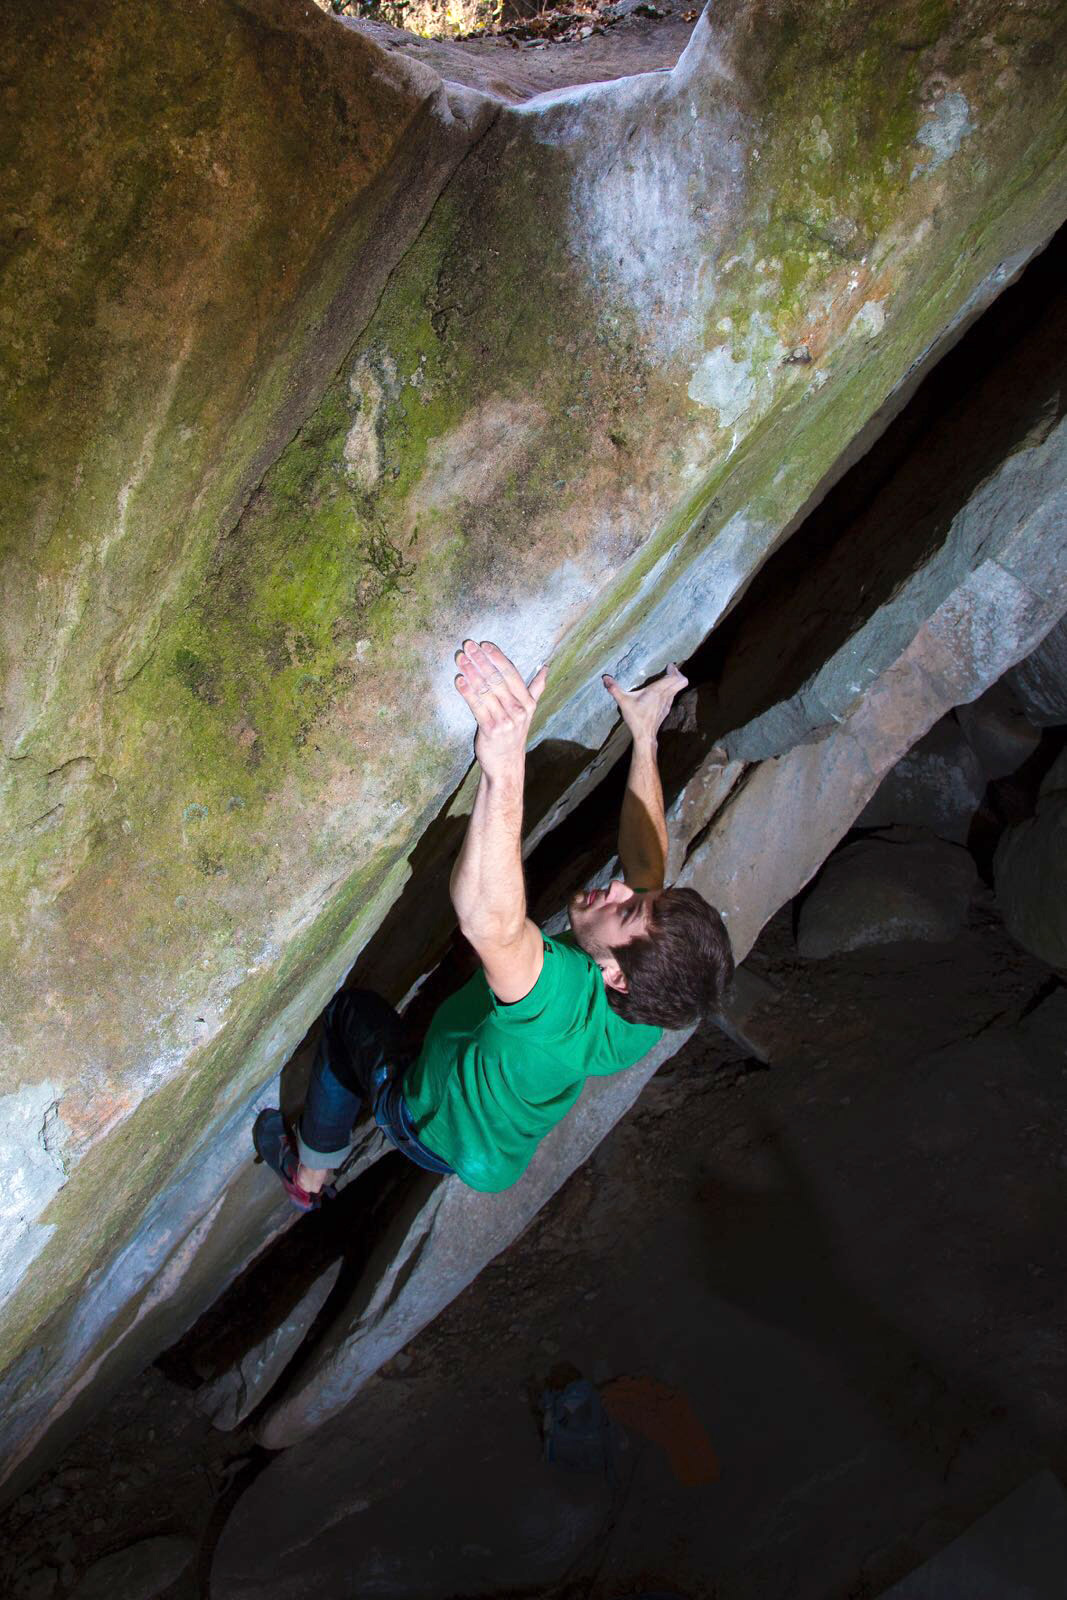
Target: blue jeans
x,y
360,1057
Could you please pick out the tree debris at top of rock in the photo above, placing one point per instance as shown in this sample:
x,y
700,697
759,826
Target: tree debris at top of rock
x,y
464,20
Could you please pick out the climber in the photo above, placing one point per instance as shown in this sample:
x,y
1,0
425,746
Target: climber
x,y
506,1056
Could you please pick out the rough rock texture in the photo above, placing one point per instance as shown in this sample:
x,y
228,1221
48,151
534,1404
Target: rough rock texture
x,y
698,802
320,363
198,211
881,890
230,1398
998,730
448,1232
367,1533
837,605
813,794
1030,873
937,785
32,1135
1041,680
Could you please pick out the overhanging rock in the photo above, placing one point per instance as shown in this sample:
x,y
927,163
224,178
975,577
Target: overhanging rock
x,y
812,795
769,838
993,620
354,364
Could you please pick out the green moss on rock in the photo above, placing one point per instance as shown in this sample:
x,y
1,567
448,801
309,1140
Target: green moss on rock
x,y
263,723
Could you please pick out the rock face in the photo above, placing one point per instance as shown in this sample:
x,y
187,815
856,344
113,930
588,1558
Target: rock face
x,y
938,785
998,730
551,1516
230,1398
448,1232
1030,873
1041,680
882,890
812,796
323,362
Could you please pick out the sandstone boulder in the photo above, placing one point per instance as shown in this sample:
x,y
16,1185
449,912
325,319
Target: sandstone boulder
x,y
998,730
322,361
884,890
1041,680
938,785
1030,873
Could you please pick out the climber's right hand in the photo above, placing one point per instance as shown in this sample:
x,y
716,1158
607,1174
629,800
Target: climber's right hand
x,y
501,702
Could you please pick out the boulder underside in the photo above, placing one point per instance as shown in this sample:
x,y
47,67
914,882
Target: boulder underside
x,y
322,364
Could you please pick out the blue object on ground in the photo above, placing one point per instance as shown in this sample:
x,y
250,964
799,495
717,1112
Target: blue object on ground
x,y
577,1430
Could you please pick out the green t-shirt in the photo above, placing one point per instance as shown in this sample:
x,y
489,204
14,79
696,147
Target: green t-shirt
x,y
492,1079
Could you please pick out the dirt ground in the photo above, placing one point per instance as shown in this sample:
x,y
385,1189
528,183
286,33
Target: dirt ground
x,y
850,1264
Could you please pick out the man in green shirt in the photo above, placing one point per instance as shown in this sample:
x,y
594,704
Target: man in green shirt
x,y
507,1056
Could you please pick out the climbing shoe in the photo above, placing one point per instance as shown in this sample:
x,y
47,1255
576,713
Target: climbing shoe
x,y
276,1148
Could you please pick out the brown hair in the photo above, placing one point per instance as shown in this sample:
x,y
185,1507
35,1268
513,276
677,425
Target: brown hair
x,y
682,970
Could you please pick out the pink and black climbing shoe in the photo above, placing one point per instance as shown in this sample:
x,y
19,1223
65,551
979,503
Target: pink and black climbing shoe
x,y
275,1147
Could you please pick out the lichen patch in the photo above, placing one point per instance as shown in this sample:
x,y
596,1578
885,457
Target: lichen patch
x,y
944,131
738,381
32,1138
723,384
869,319
362,446
469,464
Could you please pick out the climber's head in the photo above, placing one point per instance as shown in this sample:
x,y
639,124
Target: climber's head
x,y
664,954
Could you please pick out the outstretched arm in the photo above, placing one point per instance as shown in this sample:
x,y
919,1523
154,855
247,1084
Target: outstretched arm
x,y
642,825
488,888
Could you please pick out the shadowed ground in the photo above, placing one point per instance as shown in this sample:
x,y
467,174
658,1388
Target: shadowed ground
x,y
849,1264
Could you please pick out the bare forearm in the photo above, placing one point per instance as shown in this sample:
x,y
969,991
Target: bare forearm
x,y
642,825
487,887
